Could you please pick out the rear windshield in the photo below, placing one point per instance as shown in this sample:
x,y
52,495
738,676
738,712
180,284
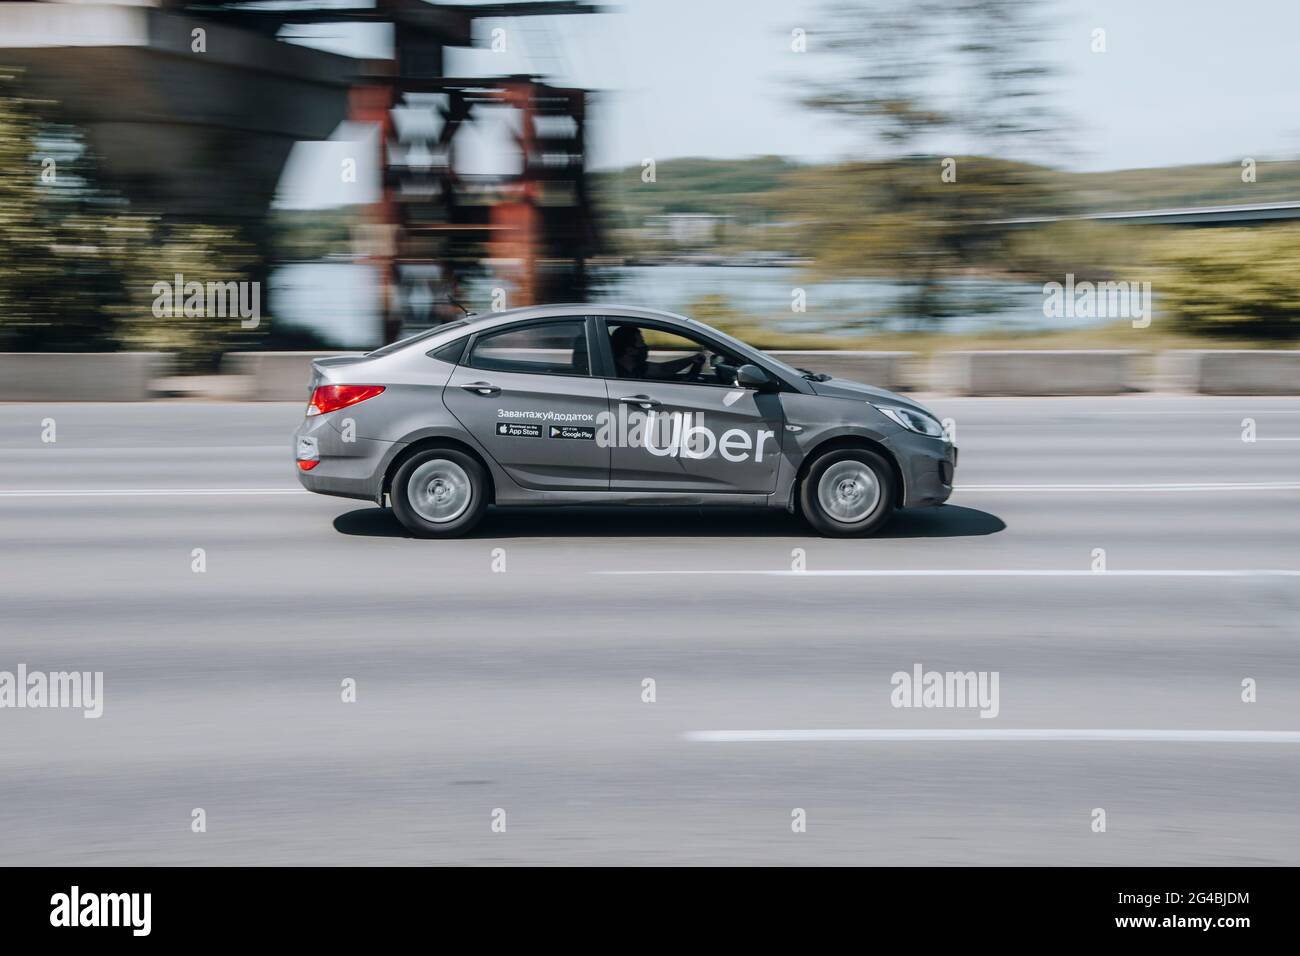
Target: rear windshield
x,y
392,347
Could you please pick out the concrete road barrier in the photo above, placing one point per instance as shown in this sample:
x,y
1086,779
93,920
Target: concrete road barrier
x,y
283,376
1232,372
214,388
274,376
892,370
1176,370
80,376
1039,372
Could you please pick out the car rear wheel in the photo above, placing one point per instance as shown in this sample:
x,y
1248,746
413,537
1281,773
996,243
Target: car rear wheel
x,y
439,493
848,493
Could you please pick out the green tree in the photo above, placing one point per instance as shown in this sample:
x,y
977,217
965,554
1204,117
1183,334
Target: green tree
x,y
198,252
79,266
61,260
1232,282
915,214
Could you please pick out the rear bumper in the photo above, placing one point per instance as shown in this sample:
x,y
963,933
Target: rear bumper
x,y
347,469
365,490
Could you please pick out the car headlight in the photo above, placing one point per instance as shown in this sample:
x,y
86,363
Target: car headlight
x,y
912,420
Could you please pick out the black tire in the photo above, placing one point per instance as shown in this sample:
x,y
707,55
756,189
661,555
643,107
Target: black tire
x,y
842,468
418,500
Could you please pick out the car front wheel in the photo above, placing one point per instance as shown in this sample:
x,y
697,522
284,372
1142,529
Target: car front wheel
x,y
439,493
848,493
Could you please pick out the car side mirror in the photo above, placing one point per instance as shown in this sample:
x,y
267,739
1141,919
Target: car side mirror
x,y
751,376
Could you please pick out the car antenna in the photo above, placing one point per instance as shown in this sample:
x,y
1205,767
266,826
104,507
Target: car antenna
x,y
459,306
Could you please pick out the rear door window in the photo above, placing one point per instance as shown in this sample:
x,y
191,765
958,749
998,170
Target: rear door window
x,y
551,348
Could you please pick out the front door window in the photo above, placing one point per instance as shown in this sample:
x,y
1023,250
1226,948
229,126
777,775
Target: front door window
x,y
680,422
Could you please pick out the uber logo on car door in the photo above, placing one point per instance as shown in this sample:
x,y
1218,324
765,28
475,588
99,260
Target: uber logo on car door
x,y
519,430
580,432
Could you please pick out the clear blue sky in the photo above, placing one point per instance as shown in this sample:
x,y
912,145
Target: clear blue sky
x,y
1182,81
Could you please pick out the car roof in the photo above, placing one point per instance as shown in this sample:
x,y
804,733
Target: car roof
x,y
563,309
438,336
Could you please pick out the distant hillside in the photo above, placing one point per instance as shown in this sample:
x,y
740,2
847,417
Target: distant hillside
x,y
1201,185
720,186
743,188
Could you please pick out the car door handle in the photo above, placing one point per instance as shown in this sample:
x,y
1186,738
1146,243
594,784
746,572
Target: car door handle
x,y
481,388
645,401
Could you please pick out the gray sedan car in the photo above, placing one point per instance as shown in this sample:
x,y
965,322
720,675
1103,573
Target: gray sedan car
x,y
599,404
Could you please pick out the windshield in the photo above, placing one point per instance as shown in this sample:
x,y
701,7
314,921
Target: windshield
x,y
782,367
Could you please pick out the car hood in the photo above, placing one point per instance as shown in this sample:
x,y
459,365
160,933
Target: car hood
x,y
856,391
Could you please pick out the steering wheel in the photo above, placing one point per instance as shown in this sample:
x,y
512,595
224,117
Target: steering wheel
x,y
692,371
724,372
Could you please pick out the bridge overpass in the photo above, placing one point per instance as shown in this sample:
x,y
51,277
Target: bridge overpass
x,y
192,106
1235,215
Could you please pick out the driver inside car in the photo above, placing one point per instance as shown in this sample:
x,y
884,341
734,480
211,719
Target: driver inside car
x,y
630,358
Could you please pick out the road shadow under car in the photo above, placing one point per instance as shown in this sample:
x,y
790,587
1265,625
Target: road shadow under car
x,y
948,521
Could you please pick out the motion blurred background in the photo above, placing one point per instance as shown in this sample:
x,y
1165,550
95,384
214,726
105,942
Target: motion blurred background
x,y
814,175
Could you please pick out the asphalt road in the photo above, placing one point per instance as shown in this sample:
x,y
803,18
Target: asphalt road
x,y
522,689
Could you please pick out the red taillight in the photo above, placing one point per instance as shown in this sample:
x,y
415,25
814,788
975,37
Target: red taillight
x,y
330,398
307,464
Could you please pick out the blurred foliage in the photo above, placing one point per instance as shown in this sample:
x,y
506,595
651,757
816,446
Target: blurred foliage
x,y
897,58
901,219
1202,184
62,258
197,252
1089,250
709,186
715,310
1232,282
717,186
306,235
920,216
79,265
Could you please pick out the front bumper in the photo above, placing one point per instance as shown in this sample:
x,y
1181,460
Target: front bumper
x,y
929,468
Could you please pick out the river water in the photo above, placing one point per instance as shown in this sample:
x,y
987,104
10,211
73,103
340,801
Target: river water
x,y
340,299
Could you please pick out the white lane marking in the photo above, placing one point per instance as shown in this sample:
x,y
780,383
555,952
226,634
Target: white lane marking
x,y
136,492
993,736
1142,486
984,573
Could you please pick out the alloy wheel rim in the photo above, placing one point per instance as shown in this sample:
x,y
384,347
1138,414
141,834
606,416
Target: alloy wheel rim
x,y
439,491
848,491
